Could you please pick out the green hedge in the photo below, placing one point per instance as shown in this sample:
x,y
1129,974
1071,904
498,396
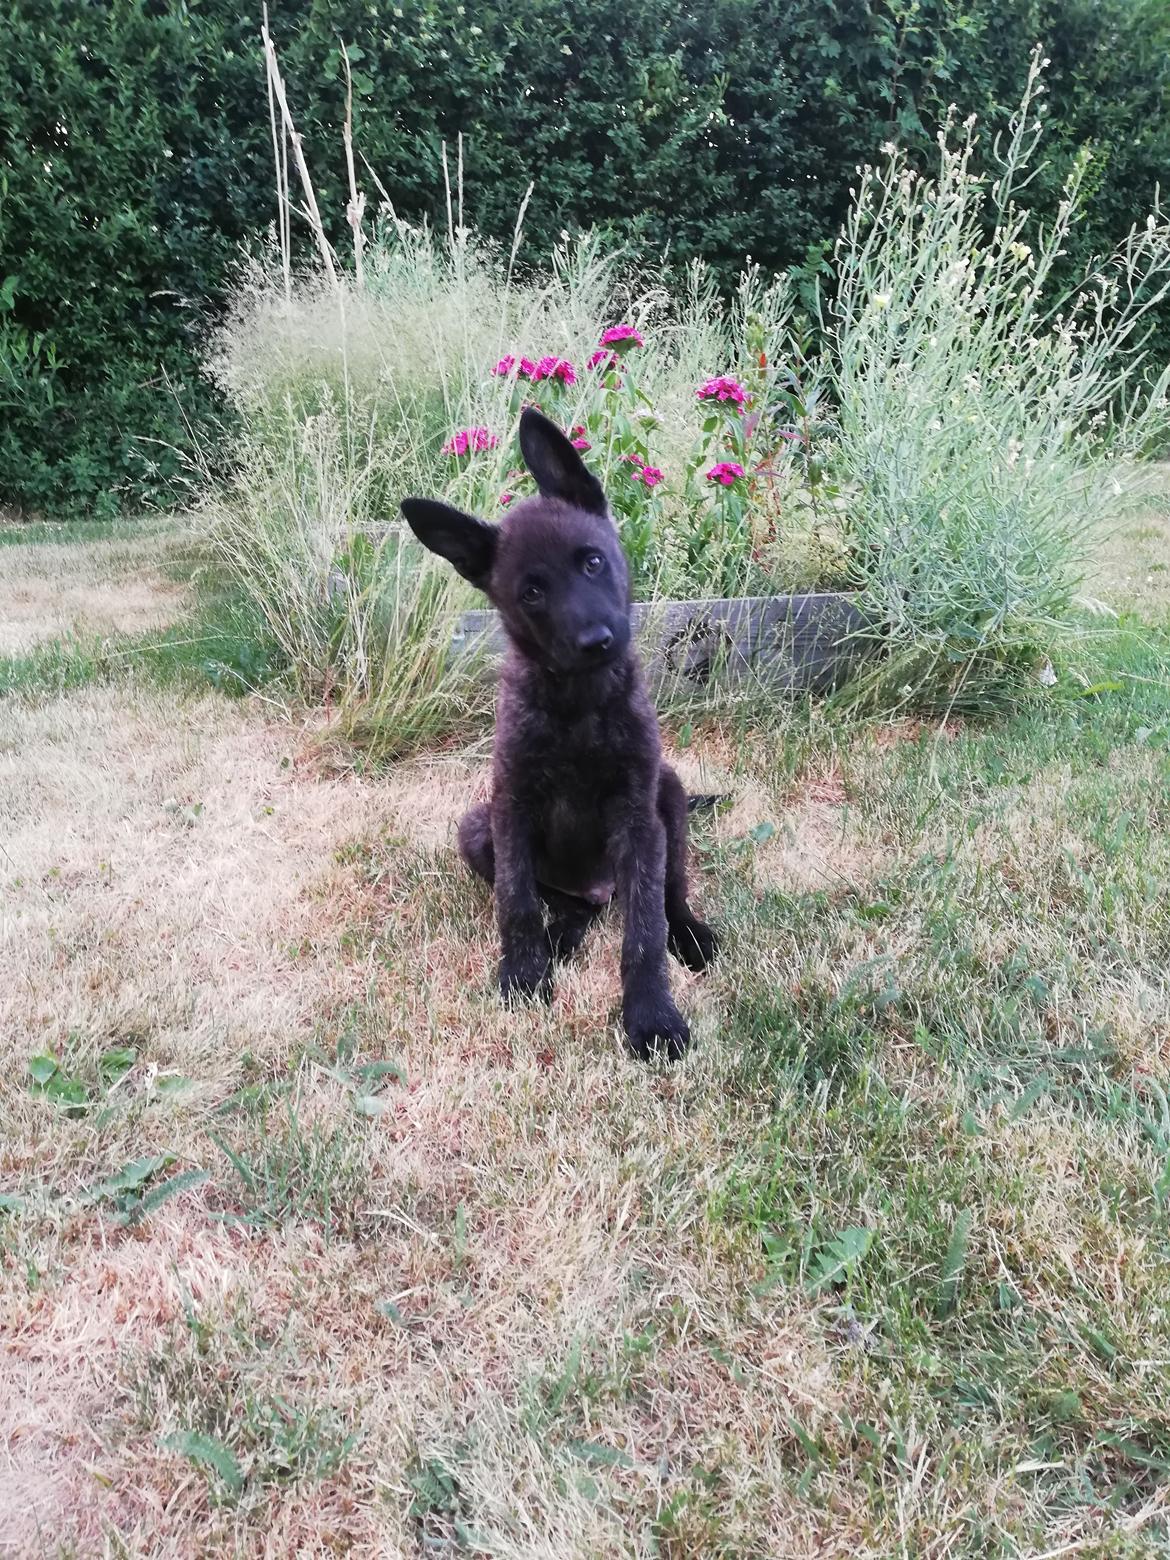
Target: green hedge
x,y
136,160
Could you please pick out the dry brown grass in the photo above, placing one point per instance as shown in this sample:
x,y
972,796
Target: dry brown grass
x,y
532,1269
171,884
55,591
159,851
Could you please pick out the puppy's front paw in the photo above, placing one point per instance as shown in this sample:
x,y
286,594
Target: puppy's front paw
x,y
526,973
655,1028
693,943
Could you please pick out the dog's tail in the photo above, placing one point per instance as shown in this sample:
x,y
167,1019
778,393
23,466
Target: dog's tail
x,y
702,803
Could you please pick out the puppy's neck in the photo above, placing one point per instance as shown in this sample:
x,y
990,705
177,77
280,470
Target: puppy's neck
x,y
572,694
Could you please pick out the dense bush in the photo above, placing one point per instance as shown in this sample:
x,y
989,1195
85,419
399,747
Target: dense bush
x,y
136,159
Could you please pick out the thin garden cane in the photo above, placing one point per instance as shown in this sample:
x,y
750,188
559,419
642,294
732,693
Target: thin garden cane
x,y
312,212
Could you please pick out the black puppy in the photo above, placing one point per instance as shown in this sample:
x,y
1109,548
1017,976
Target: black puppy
x,y
582,803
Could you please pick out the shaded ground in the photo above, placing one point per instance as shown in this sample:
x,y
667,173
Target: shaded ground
x,y
880,1270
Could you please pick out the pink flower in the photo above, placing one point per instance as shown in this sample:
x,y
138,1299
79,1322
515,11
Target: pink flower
x,y
581,444
554,368
470,439
622,335
726,472
527,368
722,389
650,475
506,499
505,366
603,359
577,437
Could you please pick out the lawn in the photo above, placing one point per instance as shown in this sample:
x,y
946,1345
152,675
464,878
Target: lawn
x,y
307,1246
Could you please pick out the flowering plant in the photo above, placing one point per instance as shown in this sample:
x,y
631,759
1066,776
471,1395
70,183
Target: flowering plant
x,y
727,472
620,337
704,520
468,440
554,368
548,367
724,388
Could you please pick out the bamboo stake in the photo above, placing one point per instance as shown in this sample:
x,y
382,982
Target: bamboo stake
x,y
312,210
355,211
280,167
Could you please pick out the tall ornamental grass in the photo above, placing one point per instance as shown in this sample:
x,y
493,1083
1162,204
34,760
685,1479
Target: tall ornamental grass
x,y
987,420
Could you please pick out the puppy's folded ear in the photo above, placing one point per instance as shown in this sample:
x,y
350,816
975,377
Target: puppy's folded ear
x,y
559,470
466,543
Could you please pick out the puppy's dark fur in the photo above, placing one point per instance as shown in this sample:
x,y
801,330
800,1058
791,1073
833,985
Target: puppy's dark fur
x,y
582,804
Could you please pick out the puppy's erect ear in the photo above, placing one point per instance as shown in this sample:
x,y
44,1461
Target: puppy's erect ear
x,y
467,543
559,470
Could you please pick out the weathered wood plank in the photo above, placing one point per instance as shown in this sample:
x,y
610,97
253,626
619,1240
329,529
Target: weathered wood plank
x,y
794,644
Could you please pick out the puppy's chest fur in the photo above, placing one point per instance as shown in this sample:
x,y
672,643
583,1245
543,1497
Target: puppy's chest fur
x,y
574,771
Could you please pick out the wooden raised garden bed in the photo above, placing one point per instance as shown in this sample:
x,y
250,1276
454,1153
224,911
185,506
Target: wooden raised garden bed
x,y
791,644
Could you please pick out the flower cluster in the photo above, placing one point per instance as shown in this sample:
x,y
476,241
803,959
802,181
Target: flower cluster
x,y
650,475
726,472
723,389
545,368
554,368
577,437
614,342
470,440
622,336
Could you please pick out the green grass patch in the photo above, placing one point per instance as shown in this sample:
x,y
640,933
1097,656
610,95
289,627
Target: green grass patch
x,y
22,533
228,1394
222,645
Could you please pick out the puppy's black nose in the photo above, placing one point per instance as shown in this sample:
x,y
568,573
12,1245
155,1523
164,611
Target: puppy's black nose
x,y
598,638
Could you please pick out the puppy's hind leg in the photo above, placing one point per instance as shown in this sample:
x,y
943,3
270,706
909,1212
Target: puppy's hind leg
x,y
692,942
475,842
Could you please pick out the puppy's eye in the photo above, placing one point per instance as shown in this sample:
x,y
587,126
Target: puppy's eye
x,y
532,595
593,564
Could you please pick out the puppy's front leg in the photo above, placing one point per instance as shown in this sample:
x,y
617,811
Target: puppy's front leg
x,y
525,963
652,1022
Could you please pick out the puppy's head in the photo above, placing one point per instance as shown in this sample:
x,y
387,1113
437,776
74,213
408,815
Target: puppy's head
x,y
553,568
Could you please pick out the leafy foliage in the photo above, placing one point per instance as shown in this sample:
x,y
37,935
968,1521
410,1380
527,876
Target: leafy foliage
x,y
137,160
